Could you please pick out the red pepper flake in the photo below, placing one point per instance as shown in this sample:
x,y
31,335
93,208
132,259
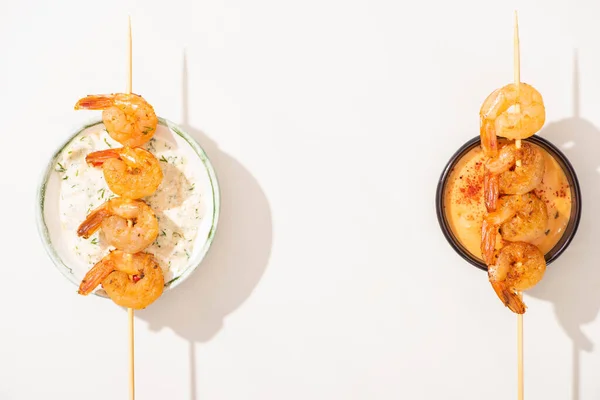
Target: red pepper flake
x,y
136,278
471,190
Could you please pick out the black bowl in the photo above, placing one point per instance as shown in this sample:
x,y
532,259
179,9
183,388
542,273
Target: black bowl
x,y
564,163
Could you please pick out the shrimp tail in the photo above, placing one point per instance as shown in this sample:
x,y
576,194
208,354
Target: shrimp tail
x,y
97,158
489,139
491,191
489,233
92,222
95,102
95,276
509,297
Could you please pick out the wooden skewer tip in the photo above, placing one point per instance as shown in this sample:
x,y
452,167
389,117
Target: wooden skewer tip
x,y
517,72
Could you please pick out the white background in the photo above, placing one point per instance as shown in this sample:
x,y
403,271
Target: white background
x,y
328,123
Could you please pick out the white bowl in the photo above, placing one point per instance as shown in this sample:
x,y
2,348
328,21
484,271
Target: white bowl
x,y
58,239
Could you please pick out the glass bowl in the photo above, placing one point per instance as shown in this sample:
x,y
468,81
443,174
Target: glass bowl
x,y
563,162
58,240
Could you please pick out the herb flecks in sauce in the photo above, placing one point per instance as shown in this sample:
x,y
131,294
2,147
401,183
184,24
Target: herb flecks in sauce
x,y
174,203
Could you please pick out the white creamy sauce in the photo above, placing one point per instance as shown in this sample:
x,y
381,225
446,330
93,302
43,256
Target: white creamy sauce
x,y
177,203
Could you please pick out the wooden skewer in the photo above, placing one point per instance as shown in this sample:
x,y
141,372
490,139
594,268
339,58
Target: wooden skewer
x,y
517,72
130,64
521,388
130,310
131,357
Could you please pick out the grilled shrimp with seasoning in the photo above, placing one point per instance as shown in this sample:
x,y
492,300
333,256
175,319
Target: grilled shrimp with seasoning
x,y
129,118
519,218
520,266
129,225
130,280
129,172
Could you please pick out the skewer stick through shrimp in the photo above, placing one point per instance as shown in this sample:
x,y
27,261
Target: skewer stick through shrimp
x,y
517,72
130,310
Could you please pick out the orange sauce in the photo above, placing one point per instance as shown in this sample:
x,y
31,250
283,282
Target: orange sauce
x,y
465,208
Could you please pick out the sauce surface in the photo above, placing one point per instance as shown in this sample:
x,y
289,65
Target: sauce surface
x,y
465,208
177,203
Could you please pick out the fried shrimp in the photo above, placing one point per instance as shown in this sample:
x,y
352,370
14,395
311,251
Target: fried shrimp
x,y
130,280
520,266
129,119
498,116
519,218
128,225
129,172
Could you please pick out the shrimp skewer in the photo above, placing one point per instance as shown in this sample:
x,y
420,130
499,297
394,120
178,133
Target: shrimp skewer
x,y
129,172
129,119
130,280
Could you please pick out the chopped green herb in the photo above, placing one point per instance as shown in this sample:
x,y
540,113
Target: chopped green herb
x,y
163,233
556,215
147,130
547,232
187,254
65,178
192,187
73,186
108,144
151,144
70,151
61,168
177,234
95,241
77,173
163,159
101,191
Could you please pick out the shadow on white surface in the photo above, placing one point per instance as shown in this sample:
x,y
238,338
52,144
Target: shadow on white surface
x,y
572,282
235,263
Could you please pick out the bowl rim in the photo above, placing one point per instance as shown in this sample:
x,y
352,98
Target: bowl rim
x,y
43,230
576,205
